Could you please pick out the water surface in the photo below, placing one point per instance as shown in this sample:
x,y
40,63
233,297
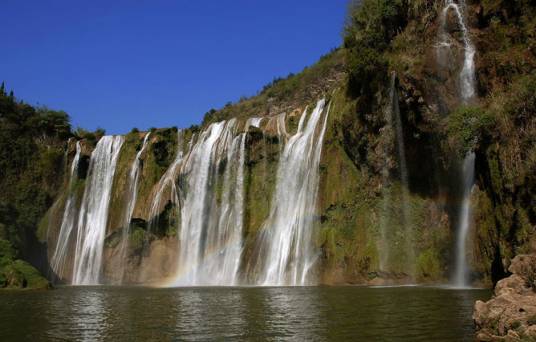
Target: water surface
x,y
258,314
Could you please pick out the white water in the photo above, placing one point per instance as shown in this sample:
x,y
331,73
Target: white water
x,y
461,275
467,74
253,122
68,221
287,241
132,193
210,234
210,204
467,92
168,181
93,216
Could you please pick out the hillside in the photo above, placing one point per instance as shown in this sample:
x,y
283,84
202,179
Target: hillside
x,y
391,189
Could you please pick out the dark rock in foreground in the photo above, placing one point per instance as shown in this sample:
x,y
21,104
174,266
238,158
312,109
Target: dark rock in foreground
x,y
511,314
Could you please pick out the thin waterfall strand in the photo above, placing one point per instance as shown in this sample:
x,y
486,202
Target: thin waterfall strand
x,y
68,221
467,92
132,192
401,148
168,181
461,275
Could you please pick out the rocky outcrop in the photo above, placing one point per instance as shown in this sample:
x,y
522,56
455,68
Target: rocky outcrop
x,y
16,273
511,314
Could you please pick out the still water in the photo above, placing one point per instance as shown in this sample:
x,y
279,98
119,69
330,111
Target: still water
x,y
251,314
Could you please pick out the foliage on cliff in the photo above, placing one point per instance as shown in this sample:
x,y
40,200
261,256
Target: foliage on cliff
x,y
361,188
288,93
31,167
401,36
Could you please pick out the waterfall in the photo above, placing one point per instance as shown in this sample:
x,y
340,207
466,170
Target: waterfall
x,y
68,220
253,122
406,212
287,235
210,234
393,114
460,278
132,193
467,74
467,92
281,127
168,180
93,216
383,245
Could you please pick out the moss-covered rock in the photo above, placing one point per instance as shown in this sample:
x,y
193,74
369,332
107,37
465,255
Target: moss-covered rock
x,y
16,273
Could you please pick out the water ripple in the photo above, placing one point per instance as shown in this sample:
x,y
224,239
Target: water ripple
x,y
243,314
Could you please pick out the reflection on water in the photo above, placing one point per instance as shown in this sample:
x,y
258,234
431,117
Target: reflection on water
x,y
80,315
274,314
293,313
203,315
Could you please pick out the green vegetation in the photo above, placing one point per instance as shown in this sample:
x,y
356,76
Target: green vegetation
x,y
466,127
372,24
16,273
32,143
360,191
287,94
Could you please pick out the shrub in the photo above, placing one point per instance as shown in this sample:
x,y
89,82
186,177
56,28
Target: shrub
x,y
371,25
466,126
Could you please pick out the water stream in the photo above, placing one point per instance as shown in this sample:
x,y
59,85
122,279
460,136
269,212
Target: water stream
x,y
401,148
467,93
467,73
132,197
210,234
93,217
59,258
461,270
287,235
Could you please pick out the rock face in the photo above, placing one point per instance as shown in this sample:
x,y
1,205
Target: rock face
x,y
511,314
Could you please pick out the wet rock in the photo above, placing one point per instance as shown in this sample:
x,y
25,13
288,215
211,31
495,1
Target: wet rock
x,y
511,314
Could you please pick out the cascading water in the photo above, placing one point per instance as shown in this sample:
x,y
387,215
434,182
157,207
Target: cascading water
x,y
253,122
467,74
383,244
93,216
467,93
168,181
206,184
132,193
68,221
401,148
286,242
393,114
210,235
460,278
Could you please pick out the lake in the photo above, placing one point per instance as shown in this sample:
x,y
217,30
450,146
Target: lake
x,y
239,313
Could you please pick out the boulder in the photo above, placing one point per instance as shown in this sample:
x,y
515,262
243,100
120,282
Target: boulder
x,y
511,314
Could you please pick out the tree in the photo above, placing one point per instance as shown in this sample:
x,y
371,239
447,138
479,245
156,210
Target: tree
x,y
371,25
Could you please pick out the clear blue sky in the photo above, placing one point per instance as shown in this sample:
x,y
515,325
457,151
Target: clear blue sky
x,y
119,64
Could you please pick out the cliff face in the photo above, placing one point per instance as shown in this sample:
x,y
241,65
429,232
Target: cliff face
x,y
440,127
390,183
